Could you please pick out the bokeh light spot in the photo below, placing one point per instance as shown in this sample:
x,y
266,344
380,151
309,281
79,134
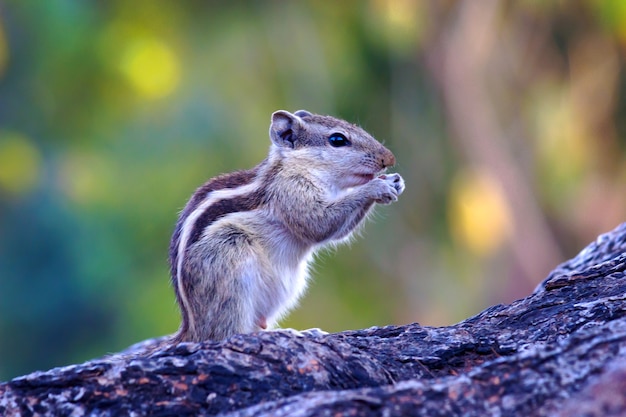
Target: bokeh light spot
x,y
151,67
479,216
20,163
403,20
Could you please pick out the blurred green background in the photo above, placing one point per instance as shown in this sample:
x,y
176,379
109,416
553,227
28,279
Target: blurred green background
x,y
506,118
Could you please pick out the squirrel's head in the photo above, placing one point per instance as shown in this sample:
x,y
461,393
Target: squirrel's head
x,y
337,151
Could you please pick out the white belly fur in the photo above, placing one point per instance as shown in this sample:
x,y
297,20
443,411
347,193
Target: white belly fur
x,y
281,265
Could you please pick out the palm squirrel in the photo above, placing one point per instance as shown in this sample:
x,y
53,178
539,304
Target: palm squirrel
x,y
241,248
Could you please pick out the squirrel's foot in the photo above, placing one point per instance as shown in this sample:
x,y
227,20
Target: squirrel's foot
x,y
262,323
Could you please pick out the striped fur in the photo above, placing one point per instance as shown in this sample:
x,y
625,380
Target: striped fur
x,y
207,204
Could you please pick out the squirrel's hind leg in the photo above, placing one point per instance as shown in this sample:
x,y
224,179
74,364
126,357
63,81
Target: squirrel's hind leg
x,y
227,296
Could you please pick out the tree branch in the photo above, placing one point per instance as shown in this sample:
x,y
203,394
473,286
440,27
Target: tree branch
x,y
532,357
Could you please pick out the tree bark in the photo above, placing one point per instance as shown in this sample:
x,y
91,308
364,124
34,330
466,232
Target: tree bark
x,y
559,351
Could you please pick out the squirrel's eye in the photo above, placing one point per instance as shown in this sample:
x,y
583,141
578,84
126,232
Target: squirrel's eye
x,y
337,140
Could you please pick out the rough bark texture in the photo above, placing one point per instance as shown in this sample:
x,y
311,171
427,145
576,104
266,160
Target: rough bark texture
x,y
560,351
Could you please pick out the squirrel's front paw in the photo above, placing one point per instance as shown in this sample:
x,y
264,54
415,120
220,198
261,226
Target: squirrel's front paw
x,y
396,182
390,187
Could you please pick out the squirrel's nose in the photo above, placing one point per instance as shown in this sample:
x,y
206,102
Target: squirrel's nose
x,y
388,160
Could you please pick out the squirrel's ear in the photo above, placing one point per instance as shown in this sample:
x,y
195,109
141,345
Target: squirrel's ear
x,y
283,128
303,113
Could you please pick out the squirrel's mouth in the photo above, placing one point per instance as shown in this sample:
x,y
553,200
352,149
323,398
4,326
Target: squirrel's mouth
x,y
364,178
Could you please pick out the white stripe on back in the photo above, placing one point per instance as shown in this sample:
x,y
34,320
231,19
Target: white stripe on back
x,y
187,228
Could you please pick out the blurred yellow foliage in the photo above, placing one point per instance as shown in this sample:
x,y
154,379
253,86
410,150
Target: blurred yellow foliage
x,y
4,50
562,141
613,15
20,163
151,67
479,216
563,148
404,21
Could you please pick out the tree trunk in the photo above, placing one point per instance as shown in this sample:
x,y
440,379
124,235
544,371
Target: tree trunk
x,y
559,351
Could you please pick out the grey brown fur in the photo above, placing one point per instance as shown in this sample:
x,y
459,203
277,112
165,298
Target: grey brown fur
x,y
241,248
